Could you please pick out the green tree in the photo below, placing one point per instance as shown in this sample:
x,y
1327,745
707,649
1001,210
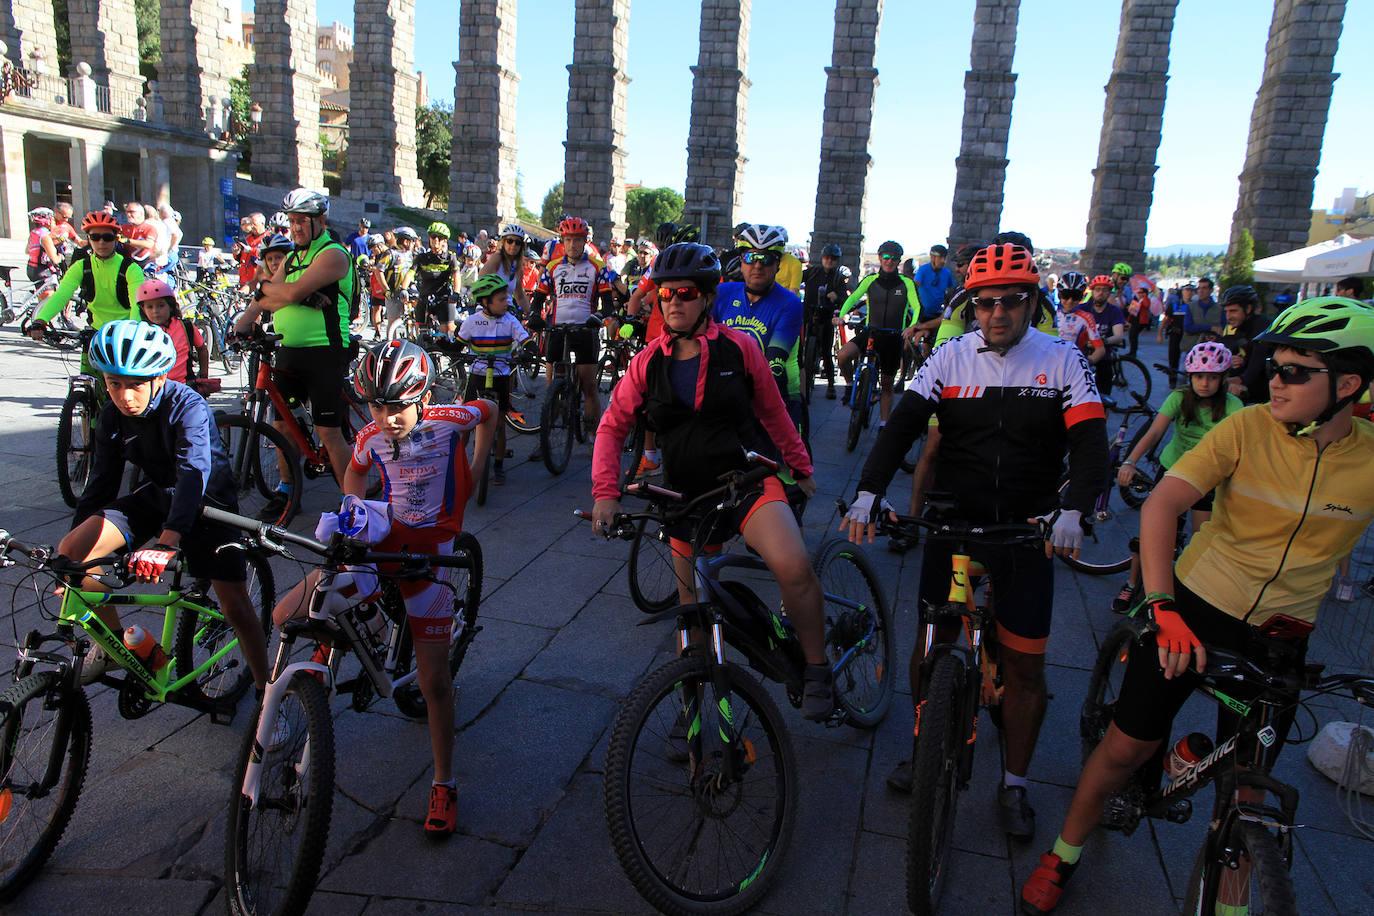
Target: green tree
x,y
64,37
241,123
523,212
1239,265
551,211
434,150
645,208
149,37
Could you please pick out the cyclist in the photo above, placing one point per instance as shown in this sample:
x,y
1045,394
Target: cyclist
x,y
413,446
507,262
1121,295
436,281
494,335
1076,327
1241,325
106,279
381,268
157,305
1111,324
933,281
43,257
706,389
1292,498
576,287
168,432
892,310
310,298
1011,404
1174,317
827,286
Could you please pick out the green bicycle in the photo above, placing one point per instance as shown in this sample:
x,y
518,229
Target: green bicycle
x,y
45,716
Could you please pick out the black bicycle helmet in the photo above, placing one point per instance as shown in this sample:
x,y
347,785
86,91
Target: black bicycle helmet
x,y
663,236
964,253
1240,295
688,233
890,248
687,261
832,251
1012,237
1074,282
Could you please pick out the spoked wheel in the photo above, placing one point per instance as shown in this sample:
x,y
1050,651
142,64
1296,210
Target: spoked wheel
x,y
526,399
1130,374
199,639
860,642
1107,546
556,431
935,784
256,455
690,838
1147,469
860,400
273,850
808,368
1248,864
653,581
1099,706
467,596
45,745
75,445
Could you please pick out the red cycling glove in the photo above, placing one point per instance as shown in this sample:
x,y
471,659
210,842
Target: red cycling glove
x,y
150,563
1174,636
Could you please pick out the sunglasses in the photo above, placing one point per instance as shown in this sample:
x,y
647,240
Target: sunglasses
x,y
1070,294
888,257
682,293
766,258
101,237
1291,373
1008,302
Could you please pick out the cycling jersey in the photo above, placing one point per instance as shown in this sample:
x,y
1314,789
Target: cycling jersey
x,y
1285,514
1080,330
108,285
1188,434
819,284
493,340
1107,319
434,272
892,301
309,326
789,272
575,288
774,321
37,256
425,476
933,284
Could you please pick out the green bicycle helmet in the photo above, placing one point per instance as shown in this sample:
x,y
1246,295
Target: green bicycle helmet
x,y
1121,267
487,285
1333,326
439,229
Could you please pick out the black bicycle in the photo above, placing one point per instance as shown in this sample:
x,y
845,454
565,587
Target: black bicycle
x,y
1129,373
561,419
864,391
77,419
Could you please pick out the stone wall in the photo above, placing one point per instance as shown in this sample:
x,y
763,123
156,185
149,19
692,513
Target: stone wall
x,y
286,149
989,88
1124,180
1287,125
850,87
715,137
194,71
482,177
381,116
104,34
28,25
594,153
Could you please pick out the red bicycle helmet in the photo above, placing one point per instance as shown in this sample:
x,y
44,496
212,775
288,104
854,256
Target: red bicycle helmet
x,y
98,219
393,372
1102,280
574,225
1002,265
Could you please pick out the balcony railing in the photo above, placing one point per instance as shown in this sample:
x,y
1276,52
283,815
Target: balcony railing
x,y
79,91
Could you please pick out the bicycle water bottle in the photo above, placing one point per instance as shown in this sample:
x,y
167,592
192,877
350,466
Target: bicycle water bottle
x,y
1186,753
149,651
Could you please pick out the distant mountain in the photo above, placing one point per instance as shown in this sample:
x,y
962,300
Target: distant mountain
x,y
1167,250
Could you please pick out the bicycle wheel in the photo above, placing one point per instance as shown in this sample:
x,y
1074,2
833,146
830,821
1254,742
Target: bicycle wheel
x,y
653,581
1130,374
858,632
1104,687
256,455
935,784
45,745
199,638
526,398
858,409
1246,848
467,591
75,448
808,368
274,849
691,840
556,432
1106,548
1147,469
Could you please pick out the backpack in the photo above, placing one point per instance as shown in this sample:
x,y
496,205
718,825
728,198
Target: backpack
x,y
121,279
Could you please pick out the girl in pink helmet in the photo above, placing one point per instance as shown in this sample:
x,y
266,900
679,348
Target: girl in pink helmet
x,y
1192,410
157,304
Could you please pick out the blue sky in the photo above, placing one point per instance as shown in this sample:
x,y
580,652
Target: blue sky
x,y
1063,60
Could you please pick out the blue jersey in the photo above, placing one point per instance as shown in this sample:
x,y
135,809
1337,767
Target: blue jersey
x,y
931,286
775,322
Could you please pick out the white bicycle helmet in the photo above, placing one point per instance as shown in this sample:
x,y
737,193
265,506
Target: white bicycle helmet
x,y
512,230
304,200
767,238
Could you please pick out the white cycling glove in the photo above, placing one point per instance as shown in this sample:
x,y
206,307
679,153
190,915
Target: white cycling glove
x,y
861,509
1066,531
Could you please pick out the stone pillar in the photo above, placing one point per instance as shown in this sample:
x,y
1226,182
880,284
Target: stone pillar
x,y
105,35
159,190
381,105
14,190
1287,125
1124,180
850,86
594,153
25,26
989,87
93,156
76,168
482,176
194,68
715,138
286,149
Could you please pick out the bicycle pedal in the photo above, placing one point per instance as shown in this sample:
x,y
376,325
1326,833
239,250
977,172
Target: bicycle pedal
x,y
349,686
1180,812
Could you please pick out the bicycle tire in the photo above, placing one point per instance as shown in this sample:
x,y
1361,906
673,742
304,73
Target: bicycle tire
x,y
524,401
197,639
555,427
935,784
72,715
844,627
858,395
1099,705
690,673
243,439
1130,374
1138,490
409,700
653,580
1090,559
247,886
1268,868
73,473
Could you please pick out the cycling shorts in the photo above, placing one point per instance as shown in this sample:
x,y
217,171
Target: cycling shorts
x,y
139,516
1022,588
727,524
438,304
429,604
583,341
1147,704
498,391
313,375
888,346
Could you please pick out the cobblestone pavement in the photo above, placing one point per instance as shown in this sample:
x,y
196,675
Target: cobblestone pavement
x,y
559,650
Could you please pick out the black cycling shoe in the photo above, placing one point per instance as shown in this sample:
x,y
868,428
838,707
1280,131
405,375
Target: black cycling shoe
x,y
899,780
1014,812
274,507
818,693
1124,599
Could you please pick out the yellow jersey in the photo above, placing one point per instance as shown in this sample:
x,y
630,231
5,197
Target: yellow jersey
x,y
790,272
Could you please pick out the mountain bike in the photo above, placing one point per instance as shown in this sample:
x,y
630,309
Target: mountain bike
x,y
864,392
561,418
700,776
1129,373
1248,849
77,418
45,715
283,787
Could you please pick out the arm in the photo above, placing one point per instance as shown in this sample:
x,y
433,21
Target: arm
x,y
484,435
328,267
192,426
1148,441
636,301
857,296
1086,424
781,348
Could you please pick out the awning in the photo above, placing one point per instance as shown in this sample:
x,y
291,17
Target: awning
x,y
1290,266
1355,260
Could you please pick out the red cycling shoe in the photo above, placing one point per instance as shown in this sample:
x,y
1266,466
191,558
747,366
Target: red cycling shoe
x,y
1042,890
442,819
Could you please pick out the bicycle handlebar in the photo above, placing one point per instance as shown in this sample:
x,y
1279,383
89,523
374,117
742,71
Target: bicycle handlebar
x,y
118,576
999,535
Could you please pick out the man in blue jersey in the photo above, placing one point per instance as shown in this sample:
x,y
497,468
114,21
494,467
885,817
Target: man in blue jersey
x,y
933,280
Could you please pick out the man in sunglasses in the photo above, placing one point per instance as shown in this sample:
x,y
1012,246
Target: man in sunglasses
x,y
1111,324
1011,404
893,305
107,280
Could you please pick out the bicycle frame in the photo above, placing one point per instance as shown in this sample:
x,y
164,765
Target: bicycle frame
x,y
256,408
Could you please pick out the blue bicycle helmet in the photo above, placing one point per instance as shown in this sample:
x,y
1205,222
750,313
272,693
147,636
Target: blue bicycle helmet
x,y
278,243
134,349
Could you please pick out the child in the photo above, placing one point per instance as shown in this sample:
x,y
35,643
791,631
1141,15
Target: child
x,y
207,260
429,482
274,250
157,305
1193,410
493,335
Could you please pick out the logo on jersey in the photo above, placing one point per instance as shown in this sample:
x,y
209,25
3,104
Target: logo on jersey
x,y
573,289
1041,379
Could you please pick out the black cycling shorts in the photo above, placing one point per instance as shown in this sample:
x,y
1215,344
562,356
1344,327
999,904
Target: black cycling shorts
x,y
313,375
499,391
888,346
1022,588
583,341
139,517
436,303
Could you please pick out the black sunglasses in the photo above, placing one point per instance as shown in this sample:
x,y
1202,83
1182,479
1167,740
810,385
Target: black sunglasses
x,y
1008,302
100,237
1291,373
765,258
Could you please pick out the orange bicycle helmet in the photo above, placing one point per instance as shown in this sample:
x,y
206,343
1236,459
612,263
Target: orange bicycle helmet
x,y
98,219
1002,265
573,225
1102,280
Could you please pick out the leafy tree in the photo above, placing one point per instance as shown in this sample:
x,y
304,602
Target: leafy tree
x,y
64,37
524,213
645,208
149,37
434,149
1239,266
240,117
551,211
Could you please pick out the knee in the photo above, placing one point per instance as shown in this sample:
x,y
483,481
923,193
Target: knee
x,y
436,686
1024,672
795,574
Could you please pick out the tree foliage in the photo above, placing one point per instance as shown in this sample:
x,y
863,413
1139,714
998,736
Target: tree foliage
x,y
551,211
434,150
149,37
240,117
1239,266
64,38
522,211
645,208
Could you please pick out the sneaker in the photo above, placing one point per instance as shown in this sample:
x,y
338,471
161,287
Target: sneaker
x,y
1345,590
1124,599
442,818
498,475
647,468
1014,813
274,507
1042,890
818,693
899,780
281,732
96,664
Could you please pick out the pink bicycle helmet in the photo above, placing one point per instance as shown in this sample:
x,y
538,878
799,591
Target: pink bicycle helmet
x,y
152,289
1208,356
